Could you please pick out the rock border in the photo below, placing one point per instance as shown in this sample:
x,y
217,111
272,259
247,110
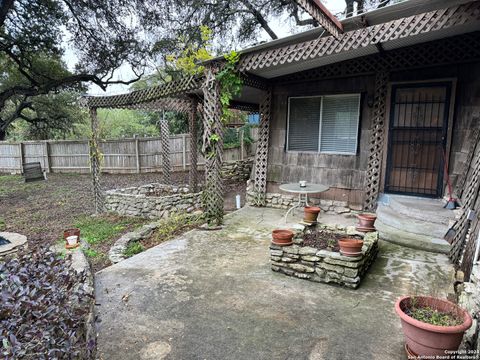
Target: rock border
x,y
117,251
325,266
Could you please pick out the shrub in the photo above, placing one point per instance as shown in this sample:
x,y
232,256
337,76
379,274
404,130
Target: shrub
x,y
43,308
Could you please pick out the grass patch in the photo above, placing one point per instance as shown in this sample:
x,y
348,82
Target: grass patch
x,y
97,229
134,249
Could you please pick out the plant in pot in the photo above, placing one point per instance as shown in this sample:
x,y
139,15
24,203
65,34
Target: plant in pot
x,y
350,246
311,214
431,325
282,237
366,222
72,238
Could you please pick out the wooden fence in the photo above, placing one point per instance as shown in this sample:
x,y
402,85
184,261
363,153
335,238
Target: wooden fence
x,y
133,155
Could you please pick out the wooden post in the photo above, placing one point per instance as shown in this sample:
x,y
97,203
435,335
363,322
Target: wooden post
x,y
184,153
192,125
137,154
47,157
95,160
20,152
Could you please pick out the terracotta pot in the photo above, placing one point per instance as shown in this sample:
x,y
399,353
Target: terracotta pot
x,y
311,214
350,246
424,339
366,221
282,237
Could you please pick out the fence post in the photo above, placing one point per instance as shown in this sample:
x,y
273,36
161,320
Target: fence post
x,y
137,154
20,145
242,146
184,153
47,157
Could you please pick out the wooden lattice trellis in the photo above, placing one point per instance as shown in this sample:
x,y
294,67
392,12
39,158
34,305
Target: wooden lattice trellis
x,y
95,163
165,140
192,125
377,139
314,9
212,148
414,25
261,155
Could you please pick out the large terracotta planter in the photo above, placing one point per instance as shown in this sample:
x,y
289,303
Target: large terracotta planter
x,y
282,237
311,214
350,246
424,339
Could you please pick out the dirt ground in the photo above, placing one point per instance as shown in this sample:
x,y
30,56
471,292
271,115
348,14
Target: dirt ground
x,y
41,210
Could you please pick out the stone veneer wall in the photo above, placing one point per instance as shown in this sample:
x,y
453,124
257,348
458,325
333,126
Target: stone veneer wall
x,y
285,201
470,300
325,266
133,201
237,170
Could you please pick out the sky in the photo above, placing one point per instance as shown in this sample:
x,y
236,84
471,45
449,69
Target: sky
x,y
125,73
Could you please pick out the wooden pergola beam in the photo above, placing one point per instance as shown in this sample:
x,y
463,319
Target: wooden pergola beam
x,y
323,16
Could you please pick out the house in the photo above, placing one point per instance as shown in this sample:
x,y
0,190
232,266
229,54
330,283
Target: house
x,y
385,102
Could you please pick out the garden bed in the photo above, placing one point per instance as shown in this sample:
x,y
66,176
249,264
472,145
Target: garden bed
x,y
314,256
152,201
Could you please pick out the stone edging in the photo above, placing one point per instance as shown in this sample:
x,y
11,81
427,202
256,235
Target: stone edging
x,y
469,299
117,251
325,266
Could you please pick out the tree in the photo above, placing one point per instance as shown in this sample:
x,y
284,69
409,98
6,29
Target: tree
x,y
32,36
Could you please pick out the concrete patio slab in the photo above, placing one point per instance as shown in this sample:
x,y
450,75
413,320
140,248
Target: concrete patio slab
x,y
212,295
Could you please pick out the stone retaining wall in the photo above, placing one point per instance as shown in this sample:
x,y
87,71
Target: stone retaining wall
x,y
325,266
285,201
135,201
237,170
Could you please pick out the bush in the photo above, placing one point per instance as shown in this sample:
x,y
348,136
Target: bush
x,y
43,308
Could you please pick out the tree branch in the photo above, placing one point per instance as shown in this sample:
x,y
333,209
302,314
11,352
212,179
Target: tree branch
x,y
259,17
5,6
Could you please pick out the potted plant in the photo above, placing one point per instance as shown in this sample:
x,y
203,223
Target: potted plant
x,y
282,237
350,246
311,214
366,222
430,325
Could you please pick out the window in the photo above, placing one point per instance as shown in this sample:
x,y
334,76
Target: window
x,y
326,124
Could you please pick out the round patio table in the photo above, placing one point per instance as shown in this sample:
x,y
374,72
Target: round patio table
x,y
302,192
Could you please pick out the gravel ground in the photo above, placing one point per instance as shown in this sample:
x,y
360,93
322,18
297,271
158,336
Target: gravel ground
x,y
41,210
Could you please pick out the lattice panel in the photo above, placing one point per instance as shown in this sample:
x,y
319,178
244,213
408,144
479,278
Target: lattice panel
x,y
192,125
165,139
397,29
457,49
261,154
212,148
95,164
377,139
469,198
333,27
180,105
149,95
474,141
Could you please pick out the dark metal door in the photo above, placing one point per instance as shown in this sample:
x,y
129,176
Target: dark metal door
x,y
417,139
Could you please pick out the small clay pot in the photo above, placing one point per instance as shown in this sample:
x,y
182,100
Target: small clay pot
x,y
282,237
366,221
311,214
350,246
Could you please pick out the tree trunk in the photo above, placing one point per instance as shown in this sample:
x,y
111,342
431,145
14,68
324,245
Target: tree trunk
x,y
3,134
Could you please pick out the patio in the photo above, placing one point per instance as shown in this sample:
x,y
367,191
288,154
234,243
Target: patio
x,y
212,295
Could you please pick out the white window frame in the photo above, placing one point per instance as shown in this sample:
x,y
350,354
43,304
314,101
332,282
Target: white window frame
x,y
321,123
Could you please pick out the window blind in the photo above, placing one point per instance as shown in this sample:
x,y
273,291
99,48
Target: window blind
x,y
304,124
339,128
327,124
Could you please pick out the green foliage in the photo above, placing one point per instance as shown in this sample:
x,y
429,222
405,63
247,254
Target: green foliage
x,y
432,316
133,248
230,83
118,123
91,253
192,54
169,227
231,138
98,229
